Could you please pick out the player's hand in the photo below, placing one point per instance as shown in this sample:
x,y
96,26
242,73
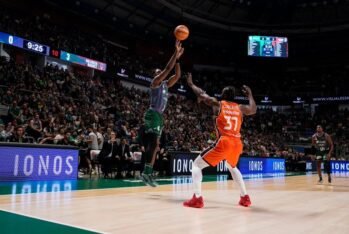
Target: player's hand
x,y
189,79
199,99
179,49
246,90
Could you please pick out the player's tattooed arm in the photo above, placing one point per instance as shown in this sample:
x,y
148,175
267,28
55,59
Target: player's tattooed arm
x,y
201,94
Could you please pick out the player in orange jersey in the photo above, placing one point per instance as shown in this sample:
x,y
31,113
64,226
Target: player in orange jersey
x,y
228,145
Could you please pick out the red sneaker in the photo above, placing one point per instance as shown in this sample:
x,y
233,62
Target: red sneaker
x,y
195,202
245,201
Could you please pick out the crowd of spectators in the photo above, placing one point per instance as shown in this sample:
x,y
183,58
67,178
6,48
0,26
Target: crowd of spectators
x,y
309,83
47,29
56,106
43,29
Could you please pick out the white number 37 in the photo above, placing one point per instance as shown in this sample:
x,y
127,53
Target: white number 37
x,y
231,120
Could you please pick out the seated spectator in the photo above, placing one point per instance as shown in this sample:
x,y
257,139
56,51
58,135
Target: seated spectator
x,y
126,160
3,134
14,113
18,137
35,127
92,141
108,157
162,163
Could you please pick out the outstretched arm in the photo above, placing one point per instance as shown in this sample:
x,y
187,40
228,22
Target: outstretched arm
x,y
202,96
251,108
173,79
170,65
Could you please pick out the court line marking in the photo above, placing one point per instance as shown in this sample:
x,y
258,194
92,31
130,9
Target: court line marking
x,y
52,221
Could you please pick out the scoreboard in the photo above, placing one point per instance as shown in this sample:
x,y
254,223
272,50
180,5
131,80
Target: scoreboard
x,y
268,46
83,61
24,44
47,51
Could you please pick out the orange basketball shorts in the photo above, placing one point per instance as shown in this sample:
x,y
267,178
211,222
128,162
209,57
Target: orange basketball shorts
x,y
225,148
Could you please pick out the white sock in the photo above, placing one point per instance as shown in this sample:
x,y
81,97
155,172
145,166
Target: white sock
x,y
236,174
196,172
197,180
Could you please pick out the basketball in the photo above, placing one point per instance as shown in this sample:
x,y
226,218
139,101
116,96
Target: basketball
x,y
181,32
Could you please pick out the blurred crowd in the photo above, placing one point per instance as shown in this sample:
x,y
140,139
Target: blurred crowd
x,y
43,29
56,106
50,30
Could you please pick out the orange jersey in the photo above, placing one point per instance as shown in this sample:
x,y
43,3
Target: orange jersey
x,y
229,119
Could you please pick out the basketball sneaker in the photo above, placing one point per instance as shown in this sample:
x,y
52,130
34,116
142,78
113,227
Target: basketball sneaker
x,y
195,202
148,180
329,179
245,201
320,180
153,182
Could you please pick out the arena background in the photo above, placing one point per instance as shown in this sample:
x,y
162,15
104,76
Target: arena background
x,y
68,68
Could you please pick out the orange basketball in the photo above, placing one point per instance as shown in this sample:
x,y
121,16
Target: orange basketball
x,y
181,32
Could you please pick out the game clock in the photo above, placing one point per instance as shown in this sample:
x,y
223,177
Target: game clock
x,y
36,47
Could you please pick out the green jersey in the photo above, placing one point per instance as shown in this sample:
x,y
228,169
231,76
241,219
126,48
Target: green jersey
x,y
153,118
321,145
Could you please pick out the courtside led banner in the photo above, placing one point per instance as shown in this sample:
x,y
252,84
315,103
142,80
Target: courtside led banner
x,y
261,165
28,163
336,166
182,164
341,166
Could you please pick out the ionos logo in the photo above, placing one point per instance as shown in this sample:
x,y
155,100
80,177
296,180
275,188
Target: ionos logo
x,y
43,164
278,166
182,165
20,163
222,167
340,166
249,165
255,165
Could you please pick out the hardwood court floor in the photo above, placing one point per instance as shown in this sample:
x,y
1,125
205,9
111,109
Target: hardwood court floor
x,y
292,205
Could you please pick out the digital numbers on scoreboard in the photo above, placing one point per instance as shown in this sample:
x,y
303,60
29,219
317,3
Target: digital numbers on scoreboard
x,y
83,61
36,47
24,44
55,53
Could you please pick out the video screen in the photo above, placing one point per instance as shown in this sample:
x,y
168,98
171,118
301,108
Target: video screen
x,y
268,46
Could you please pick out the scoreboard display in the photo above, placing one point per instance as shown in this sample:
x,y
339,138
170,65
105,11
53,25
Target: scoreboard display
x,y
268,46
47,51
24,44
83,61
